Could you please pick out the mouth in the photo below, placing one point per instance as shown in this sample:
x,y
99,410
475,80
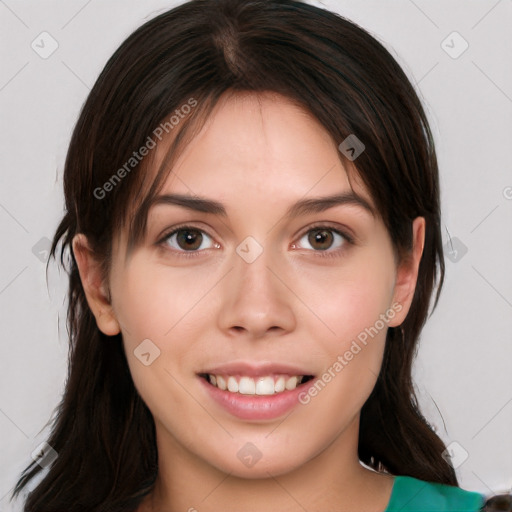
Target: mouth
x,y
264,385
255,391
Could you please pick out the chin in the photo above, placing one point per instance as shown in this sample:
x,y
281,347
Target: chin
x,y
250,463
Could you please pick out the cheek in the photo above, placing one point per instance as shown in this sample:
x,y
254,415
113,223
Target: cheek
x,y
167,307
352,304
157,301
350,299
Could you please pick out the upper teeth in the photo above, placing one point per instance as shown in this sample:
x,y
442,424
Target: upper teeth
x,y
260,386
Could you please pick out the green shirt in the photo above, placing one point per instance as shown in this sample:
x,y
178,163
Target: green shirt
x,y
413,495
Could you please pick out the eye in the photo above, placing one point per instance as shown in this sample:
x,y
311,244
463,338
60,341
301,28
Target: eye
x,y
188,239
324,238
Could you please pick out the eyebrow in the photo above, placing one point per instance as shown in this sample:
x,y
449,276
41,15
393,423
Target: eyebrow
x,y
302,207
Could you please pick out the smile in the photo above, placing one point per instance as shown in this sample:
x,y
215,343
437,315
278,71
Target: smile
x,y
264,385
266,395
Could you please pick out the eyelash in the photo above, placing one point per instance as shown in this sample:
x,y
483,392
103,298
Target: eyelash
x,y
328,253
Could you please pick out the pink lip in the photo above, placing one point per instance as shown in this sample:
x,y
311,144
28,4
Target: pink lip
x,y
256,407
256,370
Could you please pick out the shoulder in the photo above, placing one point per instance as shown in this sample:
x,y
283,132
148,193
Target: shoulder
x,y
413,495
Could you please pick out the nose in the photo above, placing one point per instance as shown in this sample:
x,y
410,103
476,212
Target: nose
x,y
257,301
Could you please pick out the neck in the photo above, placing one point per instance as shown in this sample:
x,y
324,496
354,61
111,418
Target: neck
x,y
333,479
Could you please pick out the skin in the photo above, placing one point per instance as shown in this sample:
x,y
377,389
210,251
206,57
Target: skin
x,y
257,155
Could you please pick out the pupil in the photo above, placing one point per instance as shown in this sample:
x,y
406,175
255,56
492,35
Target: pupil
x,y
189,240
321,237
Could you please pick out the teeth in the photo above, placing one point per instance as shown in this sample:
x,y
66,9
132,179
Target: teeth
x,y
221,383
280,385
291,383
265,386
268,385
232,385
246,386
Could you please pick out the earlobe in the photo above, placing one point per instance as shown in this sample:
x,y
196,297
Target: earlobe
x,y
95,289
407,273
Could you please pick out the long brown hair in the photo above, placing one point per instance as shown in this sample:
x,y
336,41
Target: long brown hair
x,y
103,432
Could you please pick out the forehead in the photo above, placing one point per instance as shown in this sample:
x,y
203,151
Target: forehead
x,y
259,145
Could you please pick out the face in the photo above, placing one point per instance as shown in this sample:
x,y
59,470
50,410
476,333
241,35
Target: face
x,y
289,311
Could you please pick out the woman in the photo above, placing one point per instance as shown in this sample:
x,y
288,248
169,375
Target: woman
x,y
253,220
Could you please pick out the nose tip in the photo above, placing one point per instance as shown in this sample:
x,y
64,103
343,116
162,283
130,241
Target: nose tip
x,y
254,301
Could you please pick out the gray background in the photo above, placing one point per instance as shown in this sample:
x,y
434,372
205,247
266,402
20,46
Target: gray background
x,y
463,371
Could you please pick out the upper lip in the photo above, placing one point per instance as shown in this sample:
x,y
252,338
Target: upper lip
x,y
255,369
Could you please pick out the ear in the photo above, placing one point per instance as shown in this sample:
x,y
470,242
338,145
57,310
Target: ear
x,y
407,273
94,287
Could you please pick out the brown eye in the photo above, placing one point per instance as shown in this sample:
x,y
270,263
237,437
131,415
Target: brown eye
x,y
321,239
324,238
188,239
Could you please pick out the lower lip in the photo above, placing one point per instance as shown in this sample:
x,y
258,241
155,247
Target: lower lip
x,y
256,407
